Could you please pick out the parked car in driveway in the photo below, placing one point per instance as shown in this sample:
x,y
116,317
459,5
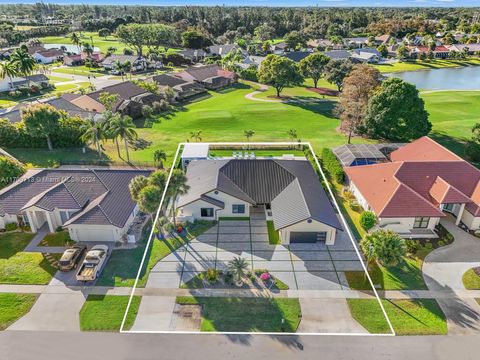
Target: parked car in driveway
x,y
93,263
71,257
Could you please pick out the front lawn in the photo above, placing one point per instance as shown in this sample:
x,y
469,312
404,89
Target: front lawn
x,y
273,237
17,267
13,307
408,317
471,279
61,238
105,312
122,267
247,314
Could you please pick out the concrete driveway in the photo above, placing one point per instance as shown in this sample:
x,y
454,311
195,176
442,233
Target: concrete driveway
x,y
300,266
443,270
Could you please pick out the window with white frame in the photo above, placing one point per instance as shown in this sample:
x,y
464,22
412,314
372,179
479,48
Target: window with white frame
x,y
238,209
421,222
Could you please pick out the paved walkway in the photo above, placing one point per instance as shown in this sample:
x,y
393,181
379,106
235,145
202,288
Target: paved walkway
x,y
262,88
443,270
34,246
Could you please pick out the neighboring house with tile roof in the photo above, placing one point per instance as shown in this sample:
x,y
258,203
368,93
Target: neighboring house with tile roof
x,y
138,63
92,204
289,189
183,89
211,76
39,80
423,182
48,56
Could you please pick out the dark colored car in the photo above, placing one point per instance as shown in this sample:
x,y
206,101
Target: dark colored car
x,y
71,257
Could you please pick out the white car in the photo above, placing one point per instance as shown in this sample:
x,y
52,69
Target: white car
x,y
93,263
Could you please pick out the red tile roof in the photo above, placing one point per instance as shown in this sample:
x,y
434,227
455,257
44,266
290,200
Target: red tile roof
x,y
421,176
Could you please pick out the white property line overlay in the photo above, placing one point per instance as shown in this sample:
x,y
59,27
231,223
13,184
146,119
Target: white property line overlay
x,y
346,226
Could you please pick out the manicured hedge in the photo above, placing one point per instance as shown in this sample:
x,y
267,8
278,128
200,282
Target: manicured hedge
x,y
67,134
332,166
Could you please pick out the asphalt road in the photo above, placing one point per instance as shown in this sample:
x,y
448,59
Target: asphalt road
x,y
18,345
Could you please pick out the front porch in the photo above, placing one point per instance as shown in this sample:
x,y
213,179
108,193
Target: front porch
x,y
37,218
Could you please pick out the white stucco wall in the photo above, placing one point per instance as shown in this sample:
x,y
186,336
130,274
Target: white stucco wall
x,y
358,195
304,226
404,225
7,219
194,209
471,221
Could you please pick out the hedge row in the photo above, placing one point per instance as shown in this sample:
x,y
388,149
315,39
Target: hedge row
x,y
332,166
66,135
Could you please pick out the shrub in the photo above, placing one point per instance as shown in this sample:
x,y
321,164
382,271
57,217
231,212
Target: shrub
x,y
147,111
385,246
472,151
332,166
11,227
9,171
368,220
160,106
212,275
411,246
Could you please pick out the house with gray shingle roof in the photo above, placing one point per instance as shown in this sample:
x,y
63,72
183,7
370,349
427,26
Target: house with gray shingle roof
x,y
288,190
92,204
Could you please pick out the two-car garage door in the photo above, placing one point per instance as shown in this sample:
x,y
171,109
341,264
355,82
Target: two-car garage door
x,y
100,235
307,237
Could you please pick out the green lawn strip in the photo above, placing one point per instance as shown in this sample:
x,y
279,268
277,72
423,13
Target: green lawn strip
x,y
352,216
234,218
247,314
13,307
408,317
471,280
17,267
122,266
45,158
100,42
105,312
424,65
273,236
61,238
56,79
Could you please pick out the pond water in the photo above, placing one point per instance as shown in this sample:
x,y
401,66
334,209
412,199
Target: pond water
x,y
459,78
70,48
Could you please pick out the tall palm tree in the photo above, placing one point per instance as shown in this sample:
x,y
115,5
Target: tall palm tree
x,y
76,41
124,128
87,49
8,70
292,134
177,186
24,61
118,66
93,132
238,267
159,156
197,135
248,134
108,117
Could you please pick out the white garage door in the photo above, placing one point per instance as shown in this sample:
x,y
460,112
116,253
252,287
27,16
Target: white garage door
x,y
99,235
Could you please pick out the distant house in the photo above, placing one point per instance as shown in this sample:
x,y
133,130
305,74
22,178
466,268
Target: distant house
x,y
356,42
222,50
440,52
131,99
366,55
92,204
323,44
138,63
251,60
183,89
79,59
39,80
279,48
60,103
470,49
211,76
48,56
422,184
338,54
297,56
383,39
194,55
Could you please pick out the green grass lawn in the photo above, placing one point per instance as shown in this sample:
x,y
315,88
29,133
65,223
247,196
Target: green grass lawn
x,y
13,307
56,79
471,280
122,267
61,238
4,103
273,236
100,42
17,267
80,70
247,314
105,312
425,65
408,317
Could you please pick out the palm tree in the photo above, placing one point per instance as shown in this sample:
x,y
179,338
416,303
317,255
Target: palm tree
x,y
93,132
238,267
197,135
8,69
177,186
24,62
159,156
108,117
87,49
124,128
111,50
127,68
292,134
248,134
76,41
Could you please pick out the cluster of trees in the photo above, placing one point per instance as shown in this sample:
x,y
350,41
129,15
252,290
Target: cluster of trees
x,y
381,109
10,36
42,126
20,63
10,170
153,36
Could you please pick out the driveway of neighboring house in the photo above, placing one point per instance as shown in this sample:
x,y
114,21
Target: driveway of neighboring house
x,y
443,270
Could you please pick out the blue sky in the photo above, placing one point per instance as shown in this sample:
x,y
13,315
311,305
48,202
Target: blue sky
x,y
321,3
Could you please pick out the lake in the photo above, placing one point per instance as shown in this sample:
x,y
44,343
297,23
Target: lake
x,y
459,78
70,48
